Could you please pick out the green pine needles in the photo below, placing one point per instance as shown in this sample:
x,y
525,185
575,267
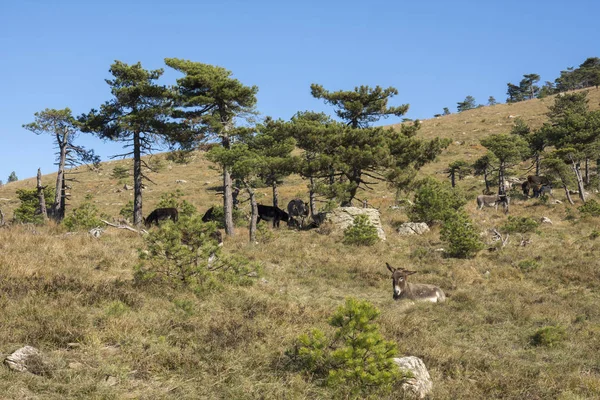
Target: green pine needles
x,y
355,359
460,234
361,232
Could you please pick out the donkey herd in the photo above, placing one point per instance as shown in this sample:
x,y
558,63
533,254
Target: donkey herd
x,y
298,211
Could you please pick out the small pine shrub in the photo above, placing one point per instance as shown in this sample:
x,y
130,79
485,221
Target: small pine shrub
x,y
462,237
185,208
595,234
549,336
180,156
590,209
361,232
156,164
519,225
528,265
12,177
355,360
187,253
27,212
120,172
127,211
434,201
218,216
83,217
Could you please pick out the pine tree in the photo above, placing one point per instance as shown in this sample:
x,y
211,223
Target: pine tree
x,y
209,100
139,115
446,111
467,104
12,177
508,149
492,101
458,168
64,128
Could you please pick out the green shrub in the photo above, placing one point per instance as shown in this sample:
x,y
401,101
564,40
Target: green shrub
x,y
120,172
549,336
361,232
434,201
185,208
27,210
355,360
460,234
218,215
519,225
595,234
83,217
186,253
156,164
590,209
180,156
528,265
127,211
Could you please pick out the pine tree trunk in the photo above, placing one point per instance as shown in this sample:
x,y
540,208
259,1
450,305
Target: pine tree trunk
x,y
56,210
137,179
312,198
227,189
63,199
487,182
579,180
501,178
587,172
275,195
452,178
568,194
253,215
41,198
537,164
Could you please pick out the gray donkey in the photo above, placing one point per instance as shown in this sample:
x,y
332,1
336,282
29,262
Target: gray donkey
x,y
413,291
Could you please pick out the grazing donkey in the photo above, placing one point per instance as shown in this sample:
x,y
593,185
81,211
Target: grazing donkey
x,y
493,201
161,214
413,291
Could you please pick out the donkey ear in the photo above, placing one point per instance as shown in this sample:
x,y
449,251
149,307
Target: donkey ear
x,y
392,269
409,272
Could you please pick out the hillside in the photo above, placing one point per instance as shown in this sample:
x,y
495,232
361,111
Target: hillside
x,y
73,296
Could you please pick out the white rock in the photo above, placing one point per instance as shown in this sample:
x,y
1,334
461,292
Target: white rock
x,y
127,187
180,181
412,228
17,361
420,385
546,220
343,217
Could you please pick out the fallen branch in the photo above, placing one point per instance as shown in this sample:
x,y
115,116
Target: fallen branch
x,y
1,218
498,236
122,226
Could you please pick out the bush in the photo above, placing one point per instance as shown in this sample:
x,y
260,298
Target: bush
x,y
355,359
83,217
156,164
27,212
127,211
528,265
519,225
549,336
120,172
185,208
180,156
462,237
187,253
434,201
361,232
218,216
590,209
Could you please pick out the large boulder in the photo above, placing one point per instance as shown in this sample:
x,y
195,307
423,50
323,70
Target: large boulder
x,y
420,385
343,217
413,228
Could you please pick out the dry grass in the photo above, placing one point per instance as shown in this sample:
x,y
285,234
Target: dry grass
x,y
58,289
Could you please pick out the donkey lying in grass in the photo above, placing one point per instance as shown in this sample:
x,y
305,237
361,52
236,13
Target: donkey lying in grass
x,y
413,291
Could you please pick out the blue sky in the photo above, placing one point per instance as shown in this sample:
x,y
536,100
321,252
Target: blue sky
x,y
56,54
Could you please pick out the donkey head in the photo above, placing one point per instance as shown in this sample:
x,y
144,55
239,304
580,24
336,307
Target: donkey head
x,y
399,279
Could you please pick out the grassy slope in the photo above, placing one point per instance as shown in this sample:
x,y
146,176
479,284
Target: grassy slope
x,y
161,343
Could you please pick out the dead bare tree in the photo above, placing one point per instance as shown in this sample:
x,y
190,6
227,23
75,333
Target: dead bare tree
x,y
40,194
